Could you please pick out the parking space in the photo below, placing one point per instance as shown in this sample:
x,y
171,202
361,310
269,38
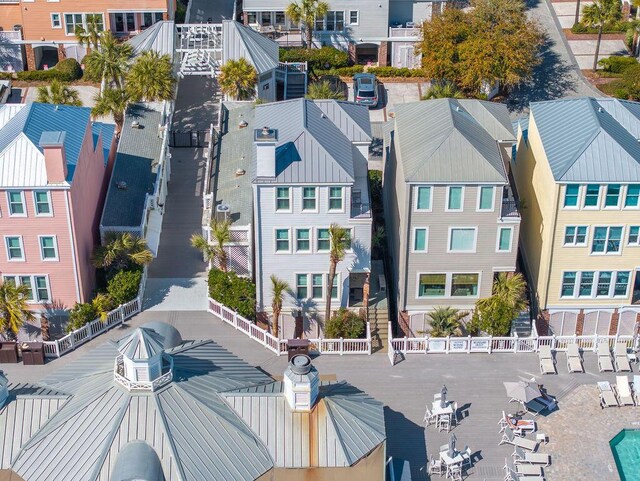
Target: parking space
x,y
391,94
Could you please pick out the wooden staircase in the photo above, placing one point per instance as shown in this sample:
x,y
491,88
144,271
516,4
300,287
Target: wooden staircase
x,y
379,320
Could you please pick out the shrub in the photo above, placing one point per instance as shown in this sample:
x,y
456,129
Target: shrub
x,y
6,75
390,72
317,58
617,64
80,315
341,72
237,293
90,74
124,286
611,27
69,69
345,324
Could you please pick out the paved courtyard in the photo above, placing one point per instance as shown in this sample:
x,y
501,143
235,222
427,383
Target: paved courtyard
x,y
474,381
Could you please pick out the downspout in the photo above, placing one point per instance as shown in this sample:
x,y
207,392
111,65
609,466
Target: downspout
x,y
72,240
553,236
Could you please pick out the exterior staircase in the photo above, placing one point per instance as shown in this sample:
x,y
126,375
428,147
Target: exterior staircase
x,y
379,321
295,85
521,326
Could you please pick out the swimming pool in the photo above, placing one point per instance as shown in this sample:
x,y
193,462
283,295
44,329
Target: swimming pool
x,y
626,451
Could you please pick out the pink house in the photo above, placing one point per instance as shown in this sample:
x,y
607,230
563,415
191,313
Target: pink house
x,y
54,168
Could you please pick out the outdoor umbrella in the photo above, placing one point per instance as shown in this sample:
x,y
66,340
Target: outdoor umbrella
x,y
522,391
452,446
443,396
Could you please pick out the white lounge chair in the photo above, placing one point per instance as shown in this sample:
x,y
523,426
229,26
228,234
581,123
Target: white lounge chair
x,y
574,361
522,469
604,357
514,476
547,363
519,426
521,456
608,397
622,361
636,389
429,417
624,391
509,437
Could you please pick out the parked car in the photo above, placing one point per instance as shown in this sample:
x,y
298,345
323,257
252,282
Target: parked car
x,y
336,84
365,89
5,91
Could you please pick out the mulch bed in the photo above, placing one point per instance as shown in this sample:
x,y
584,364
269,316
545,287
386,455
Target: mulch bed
x,y
591,36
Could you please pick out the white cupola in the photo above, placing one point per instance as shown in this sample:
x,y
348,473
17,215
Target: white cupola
x,y
141,360
301,382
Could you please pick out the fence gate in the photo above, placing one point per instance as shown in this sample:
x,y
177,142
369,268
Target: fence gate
x,y
188,138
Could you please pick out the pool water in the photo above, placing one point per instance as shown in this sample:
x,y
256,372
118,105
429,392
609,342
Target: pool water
x,y
626,451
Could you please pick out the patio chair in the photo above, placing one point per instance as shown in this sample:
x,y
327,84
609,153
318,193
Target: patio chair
x,y
574,361
636,389
435,466
521,456
519,426
455,472
608,397
454,416
604,357
624,391
509,437
522,469
466,457
547,363
514,476
444,423
621,359
429,417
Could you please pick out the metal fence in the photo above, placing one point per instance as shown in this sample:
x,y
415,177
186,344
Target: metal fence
x,y
188,138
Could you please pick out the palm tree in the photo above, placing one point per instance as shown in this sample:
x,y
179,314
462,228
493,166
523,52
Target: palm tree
x,y
92,34
58,93
120,251
278,288
305,12
597,14
220,232
102,304
339,239
443,90
14,310
112,59
512,290
323,90
445,321
150,78
111,101
238,79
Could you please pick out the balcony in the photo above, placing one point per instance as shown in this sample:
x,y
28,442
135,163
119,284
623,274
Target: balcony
x,y
510,209
360,211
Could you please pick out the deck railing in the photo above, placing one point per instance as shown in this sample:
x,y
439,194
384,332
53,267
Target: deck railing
x,y
279,346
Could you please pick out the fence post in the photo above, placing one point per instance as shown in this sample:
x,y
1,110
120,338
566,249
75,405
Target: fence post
x,y
448,341
553,342
469,344
341,346
368,338
57,348
595,342
122,317
490,349
235,320
406,344
71,343
515,344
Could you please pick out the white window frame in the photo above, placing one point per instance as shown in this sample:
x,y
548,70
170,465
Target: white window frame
x,y
290,209
620,196
357,22
317,239
275,240
448,285
594,281
637,242
295,278
594,285
22,252
342,190
614,280
315,198
493,198
500,229
626,192
575,284
34,288
327,286
308,251
426,240
578,198
417,195
446,205
322,285
35,204
23,201
59,20
584,197
55,247
575,244
606,241
475,239
84,21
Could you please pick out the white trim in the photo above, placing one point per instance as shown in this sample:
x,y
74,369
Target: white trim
x,y
84,21
275,206
417,196
55,247
296,285
475,239
605,253
618,204
637,243
317,238
295,248
578,198
72,246
506,251
357,22
626,192
34,289
24,203
493,198
446,205
35,203
594,284
275,240
426,240
448,283
584,200
315,199
322,285
23,254
586,236
342,202
59,19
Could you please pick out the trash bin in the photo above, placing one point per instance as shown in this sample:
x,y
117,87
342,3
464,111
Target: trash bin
x,y
9,352
297,346
32,353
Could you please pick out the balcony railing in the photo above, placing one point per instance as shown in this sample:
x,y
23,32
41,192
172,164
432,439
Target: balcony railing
x,y
510,208
360,211
118,376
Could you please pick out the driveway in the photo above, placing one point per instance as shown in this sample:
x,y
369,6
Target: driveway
x,y
391,94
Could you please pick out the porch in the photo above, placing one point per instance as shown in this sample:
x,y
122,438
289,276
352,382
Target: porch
x,y
131,22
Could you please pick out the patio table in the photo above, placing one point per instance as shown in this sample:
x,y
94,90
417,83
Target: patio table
x,y
439,411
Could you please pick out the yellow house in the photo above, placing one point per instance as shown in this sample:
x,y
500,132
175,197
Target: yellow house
x,y
577,171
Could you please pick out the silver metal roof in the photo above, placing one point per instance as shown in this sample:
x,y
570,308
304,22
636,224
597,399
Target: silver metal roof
x,y
441,141
142,343
494,117
352,119
241,41
137,460
590,140
159,37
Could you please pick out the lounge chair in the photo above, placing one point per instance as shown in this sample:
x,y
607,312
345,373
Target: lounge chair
x,y
514,476
519,426
604,357
621,359
607,395
636,389
624,391
522,469
547,363
574,361
509,437
534,406
521,456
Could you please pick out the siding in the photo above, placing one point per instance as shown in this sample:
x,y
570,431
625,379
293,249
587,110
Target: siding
x,y
10,15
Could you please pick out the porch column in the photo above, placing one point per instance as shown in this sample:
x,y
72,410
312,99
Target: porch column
x,y
245,18
31,56
365,290
613,325
165,15
383,54
352,52
62,53
580,323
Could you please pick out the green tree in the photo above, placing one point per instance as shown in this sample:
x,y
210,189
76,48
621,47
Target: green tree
x,y
494,314
91,35
344,323
111,101
112,59
443,90
322,90
339,241
58,93
122,251
150,78
14,310
445,321
305,12
124,286
220,234
238,79
630,83
597,14
278,290
237,293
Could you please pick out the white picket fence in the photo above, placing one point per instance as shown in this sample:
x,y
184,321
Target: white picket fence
x,y
279,346
87,332
490,344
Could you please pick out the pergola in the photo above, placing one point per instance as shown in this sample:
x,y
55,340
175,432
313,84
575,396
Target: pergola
x,y
200,48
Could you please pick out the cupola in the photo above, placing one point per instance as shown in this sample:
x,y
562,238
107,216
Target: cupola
x,y
142,364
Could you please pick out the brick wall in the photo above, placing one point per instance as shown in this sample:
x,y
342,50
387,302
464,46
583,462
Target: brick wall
x,y
383,54
31,57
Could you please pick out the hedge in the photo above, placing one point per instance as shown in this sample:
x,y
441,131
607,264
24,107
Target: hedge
x,y
388,72
80,315
341,72
124,286
612,27
66,70
617,64
237,293
317,58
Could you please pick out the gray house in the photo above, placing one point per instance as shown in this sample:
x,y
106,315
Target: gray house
x,y
452,219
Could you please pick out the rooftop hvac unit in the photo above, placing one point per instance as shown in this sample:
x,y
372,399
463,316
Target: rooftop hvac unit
x,y
222,211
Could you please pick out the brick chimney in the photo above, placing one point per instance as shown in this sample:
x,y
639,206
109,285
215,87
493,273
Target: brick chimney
x,y
52,143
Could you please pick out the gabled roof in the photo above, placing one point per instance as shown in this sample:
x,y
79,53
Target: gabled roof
x,y
441,141
159,37
242,41
351,118
590,140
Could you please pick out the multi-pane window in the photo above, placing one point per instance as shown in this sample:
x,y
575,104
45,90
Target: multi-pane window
x,y
41,292
302,291
575,235
432,285
48,248
335,21
334,288
16,203
423,199
568,284
309,198
252,18
283,198
282,240
324,240
592,195
73,20
280,19
26,281
504,239
316,286
335,198
14,248
353,17
571,195
464,285
606,240
634,235
303,240
462,239
42,202
595,284
42,288
622,283
55,20
485,201
455,198
604,284
348,239
612,196
420,239
633,196
586,283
